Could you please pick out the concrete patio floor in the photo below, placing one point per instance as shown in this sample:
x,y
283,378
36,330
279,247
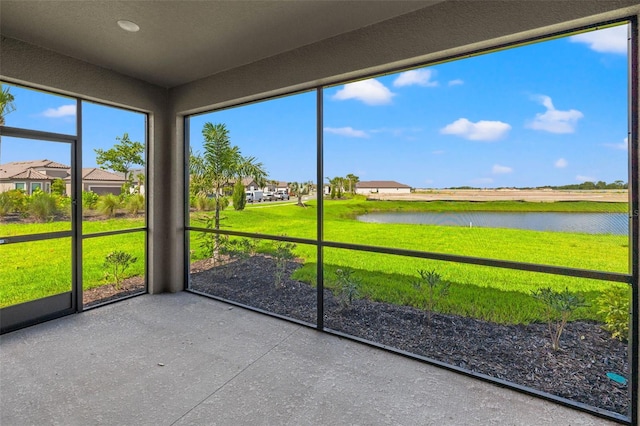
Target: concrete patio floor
x,y
182,359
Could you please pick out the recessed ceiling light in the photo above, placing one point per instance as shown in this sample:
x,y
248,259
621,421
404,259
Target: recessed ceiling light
x,y
128,26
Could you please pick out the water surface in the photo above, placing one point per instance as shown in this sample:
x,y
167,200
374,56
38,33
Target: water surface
x,y
590,223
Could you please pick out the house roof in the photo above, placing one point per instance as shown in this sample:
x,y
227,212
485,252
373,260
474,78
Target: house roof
x,y
381,184
26,169
27,175
95,173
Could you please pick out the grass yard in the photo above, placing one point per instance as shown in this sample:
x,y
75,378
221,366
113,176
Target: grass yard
x,y
494,294
34,270
39,269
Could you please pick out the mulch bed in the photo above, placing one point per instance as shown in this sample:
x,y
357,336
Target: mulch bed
x,y
109,292
520,354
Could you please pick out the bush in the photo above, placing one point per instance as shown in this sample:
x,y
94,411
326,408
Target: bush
x,y
239,196
223,202
134,203
116,263
58,187
108,204
559,307
63,203
16,199
282,254
6,204
436,289
89,200
203,203
614,303
348,287
42,206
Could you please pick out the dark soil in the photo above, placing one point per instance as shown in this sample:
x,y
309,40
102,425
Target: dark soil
x,y
520,354
106,293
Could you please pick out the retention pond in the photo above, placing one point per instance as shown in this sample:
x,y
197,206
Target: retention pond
x,y
590,223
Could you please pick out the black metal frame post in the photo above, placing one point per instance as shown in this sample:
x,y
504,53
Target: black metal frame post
x,y
634,222
320,216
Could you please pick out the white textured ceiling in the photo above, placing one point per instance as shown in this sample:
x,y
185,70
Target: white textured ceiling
x,y
182,41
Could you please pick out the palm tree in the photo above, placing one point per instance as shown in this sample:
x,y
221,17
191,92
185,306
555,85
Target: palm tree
x,y
6,103
219,166
353,181
300,189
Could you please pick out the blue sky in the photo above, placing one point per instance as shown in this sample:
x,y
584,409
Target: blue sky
x,y
548,113
52,113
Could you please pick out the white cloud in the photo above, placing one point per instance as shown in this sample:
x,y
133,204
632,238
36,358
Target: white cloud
x,y
456,82
609,40
349,132
416,77
61,111
371,92
621,146
581,178
561,163
499,170
553,120
480,131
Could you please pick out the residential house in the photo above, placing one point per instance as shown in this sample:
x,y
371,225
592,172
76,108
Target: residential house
x,y
30,176
33,175
382,187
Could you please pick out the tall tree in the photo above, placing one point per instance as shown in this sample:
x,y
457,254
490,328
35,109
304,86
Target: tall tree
x,y
6,103
239,196
337,186
353,181
122,156
218,166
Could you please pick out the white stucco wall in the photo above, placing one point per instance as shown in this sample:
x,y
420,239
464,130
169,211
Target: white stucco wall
x,y
365,191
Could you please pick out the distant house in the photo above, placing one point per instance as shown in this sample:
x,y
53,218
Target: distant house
x,y
273,186
100,181
382,187
32,175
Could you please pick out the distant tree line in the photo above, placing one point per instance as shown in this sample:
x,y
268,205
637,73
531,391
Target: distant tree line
x,y
618,184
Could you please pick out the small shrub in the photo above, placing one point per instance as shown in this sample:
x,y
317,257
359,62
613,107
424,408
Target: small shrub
x,y
116,263
108,205
202,204
559,305
241,248
42,206
282,254
134,203
18,200
223,202
63,203
239,196
436,289
614,303
89,200
6,204
58,187
348,287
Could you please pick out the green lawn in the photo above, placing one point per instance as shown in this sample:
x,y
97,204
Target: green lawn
x,y
500,295
38,269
